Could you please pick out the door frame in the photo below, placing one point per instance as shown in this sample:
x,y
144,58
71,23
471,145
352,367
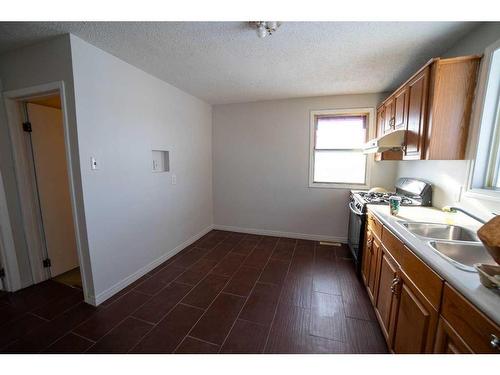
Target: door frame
x,y
8,257
26,186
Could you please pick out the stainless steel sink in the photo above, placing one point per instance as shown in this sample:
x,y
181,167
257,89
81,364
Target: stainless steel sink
x,y
442,231
463,255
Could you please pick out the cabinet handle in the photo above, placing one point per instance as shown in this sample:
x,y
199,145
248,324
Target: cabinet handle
x,y
395,283
495,342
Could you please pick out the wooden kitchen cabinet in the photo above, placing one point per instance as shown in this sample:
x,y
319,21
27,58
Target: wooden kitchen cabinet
x,y
417,310
387,303
463,328
434,107
389,115
405,292
367,256
415,320
368,263
415,127
400,108
380,121
448,341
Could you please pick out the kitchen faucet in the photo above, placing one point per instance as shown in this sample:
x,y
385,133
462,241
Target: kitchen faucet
x,y
455,209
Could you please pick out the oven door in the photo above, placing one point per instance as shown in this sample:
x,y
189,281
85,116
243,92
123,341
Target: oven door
x,y
356,233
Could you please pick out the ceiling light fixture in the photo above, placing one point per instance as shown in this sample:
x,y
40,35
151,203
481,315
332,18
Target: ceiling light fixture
x,y
265,28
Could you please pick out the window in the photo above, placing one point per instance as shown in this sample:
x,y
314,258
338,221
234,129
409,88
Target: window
x,y
337,139
485,177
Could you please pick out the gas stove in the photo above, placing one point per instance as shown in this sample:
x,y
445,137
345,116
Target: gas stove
x,y
413,192
383,198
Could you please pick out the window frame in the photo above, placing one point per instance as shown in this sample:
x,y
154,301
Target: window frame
x,y
485,134
369,112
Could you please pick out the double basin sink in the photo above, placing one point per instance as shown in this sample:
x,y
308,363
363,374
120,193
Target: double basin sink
x,y
459,245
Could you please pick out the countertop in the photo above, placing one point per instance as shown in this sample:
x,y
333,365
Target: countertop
x,y
467,283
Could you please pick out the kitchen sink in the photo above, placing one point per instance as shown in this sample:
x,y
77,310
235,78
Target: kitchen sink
x,y
462,254
441,231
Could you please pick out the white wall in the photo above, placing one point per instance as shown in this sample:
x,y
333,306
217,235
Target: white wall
x,y
450,177
261,163
134,216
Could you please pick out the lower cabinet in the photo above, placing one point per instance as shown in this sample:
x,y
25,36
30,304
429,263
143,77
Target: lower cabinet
x,y
387,303
417,310
448,341
416,320
369,270
463,328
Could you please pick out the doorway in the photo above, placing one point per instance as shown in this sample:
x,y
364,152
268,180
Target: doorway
x,y
44,132
48,232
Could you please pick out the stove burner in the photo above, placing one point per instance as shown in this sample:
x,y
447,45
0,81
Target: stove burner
x,y
382,198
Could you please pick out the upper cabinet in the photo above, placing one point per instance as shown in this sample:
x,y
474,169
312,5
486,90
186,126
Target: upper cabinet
x,y
434,107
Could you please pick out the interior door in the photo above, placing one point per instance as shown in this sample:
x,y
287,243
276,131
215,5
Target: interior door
x,y
53,187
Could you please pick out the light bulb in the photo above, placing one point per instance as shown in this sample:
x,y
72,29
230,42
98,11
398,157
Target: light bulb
x,y
261,31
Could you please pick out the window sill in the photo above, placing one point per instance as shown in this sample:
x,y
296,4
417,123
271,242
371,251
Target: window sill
x,y
490,195
323,185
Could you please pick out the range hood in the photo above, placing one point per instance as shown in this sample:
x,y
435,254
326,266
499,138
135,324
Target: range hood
x,y
389,141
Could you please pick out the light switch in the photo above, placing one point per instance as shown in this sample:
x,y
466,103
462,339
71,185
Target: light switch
x,y
174,179
94,165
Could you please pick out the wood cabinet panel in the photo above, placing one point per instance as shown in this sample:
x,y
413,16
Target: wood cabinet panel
x,y
429,282
380,121
373,277
448,341
389,115
366,257
453,87
400,108
416,123
470,324
375,225
416,321
386,303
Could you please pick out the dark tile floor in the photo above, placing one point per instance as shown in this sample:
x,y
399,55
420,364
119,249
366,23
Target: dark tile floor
x,y
226,293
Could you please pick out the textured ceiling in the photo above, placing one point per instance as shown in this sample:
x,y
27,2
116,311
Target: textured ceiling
x,y
225,62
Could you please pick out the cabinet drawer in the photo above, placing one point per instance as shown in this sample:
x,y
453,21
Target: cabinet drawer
x,y
375,225
473,326
424,278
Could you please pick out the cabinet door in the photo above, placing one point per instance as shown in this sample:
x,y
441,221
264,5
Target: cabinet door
x,y
448,341
373,277
416,321
386,299
380,121
389,115
417,113
400,108
366,258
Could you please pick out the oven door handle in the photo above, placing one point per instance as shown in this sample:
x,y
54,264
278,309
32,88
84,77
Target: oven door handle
x,y
354,210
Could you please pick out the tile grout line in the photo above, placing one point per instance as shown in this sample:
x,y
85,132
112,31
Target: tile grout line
x,y
249,293
279,299
221,291
131,314
179,303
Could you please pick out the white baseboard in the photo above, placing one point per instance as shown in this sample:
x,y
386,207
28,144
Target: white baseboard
x,y
101,297
265,232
